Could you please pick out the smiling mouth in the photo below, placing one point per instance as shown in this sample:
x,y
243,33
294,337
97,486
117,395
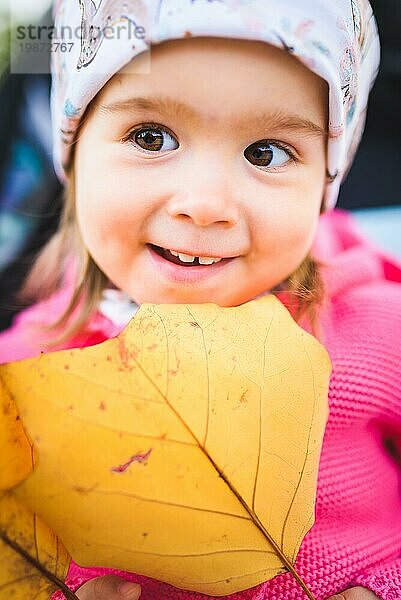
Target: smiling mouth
x,y
166,254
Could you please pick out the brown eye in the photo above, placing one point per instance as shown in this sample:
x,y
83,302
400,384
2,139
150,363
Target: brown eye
x,y
267,154
154,139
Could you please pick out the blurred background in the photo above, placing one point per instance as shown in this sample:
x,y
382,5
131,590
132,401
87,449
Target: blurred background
x,y
30,194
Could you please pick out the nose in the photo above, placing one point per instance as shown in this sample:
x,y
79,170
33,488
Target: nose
x,y
205,201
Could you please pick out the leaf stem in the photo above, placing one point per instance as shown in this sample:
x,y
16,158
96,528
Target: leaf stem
x,y
283,557
32,561
269,538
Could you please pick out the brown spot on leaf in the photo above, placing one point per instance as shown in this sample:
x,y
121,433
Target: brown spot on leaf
x,y
127,356
187,34
84,490
102,406
141,458
123,351
243,398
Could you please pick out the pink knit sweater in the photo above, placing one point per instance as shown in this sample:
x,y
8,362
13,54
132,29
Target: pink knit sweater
x,y
356,539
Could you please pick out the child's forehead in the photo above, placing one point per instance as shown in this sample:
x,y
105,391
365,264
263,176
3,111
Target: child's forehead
x,y
178,83
215,54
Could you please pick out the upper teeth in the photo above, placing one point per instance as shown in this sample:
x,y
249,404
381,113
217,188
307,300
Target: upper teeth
x,y
203,260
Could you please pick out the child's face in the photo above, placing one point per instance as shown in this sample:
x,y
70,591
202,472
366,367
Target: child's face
x,y
214,179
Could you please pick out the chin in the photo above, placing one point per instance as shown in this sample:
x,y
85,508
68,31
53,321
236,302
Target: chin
x,y
183,297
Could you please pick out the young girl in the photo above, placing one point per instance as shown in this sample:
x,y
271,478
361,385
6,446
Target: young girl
x,y
227,146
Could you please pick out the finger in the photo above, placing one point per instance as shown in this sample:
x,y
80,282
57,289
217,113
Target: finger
x,y
109,587
356,593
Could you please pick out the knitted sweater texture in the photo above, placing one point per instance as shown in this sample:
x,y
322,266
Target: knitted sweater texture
x,y
356,538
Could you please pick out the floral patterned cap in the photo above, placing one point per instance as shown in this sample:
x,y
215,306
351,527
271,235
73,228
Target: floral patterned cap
x,y
337,40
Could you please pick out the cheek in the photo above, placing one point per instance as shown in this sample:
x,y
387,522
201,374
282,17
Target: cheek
x,y
109,210
98,219
287,223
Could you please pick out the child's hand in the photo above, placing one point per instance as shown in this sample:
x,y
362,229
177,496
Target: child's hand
x,y
109,587
355,593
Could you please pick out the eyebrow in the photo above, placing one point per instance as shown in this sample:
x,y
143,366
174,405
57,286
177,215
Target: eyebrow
x,y
276,120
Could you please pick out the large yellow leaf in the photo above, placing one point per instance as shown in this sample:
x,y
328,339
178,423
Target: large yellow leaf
x,y
186,449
